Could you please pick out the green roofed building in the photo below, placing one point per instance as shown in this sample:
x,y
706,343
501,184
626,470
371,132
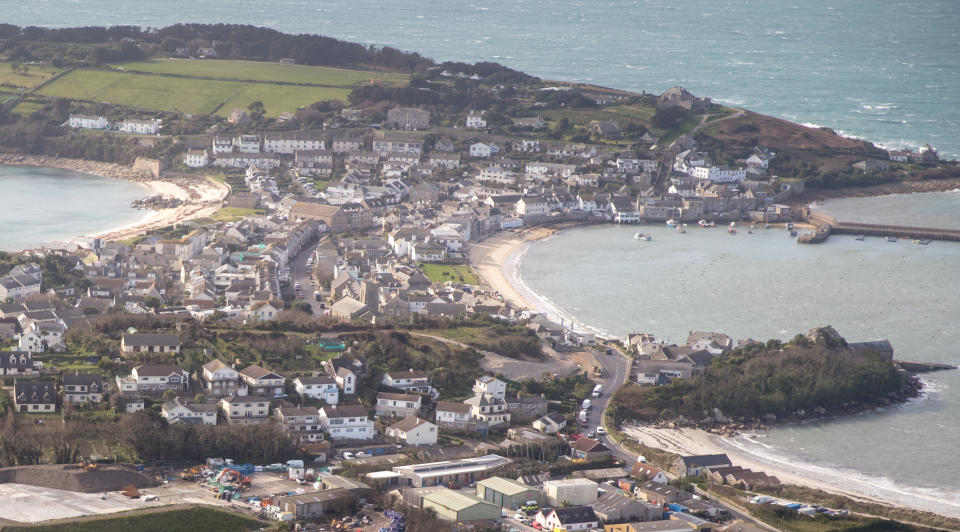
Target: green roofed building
x,y
507,493
454,506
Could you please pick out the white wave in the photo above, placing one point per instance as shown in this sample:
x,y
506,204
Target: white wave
x,y
942,501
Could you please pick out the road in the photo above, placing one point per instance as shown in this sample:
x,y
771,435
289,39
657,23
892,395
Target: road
x,y
300,273
617,370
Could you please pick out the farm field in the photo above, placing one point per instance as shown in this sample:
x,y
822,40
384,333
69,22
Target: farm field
x,y
35,75
194,96
263,71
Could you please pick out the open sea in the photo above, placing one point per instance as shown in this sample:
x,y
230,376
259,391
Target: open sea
x,y
884,70
765,285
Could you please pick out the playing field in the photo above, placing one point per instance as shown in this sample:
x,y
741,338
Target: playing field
x,y
187,95
262,71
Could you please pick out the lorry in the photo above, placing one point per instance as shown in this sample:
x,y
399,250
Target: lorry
x,y
597,390
587,404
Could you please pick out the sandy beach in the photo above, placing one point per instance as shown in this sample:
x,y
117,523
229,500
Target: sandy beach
x,y
199,196
489,256
200,199
690,441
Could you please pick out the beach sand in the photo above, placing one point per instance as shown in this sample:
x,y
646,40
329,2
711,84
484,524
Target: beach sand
x,y
490,255
200,199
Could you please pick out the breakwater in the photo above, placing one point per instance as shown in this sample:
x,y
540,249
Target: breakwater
x,y
829,225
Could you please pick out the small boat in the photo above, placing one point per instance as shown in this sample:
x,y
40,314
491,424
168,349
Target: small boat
x,y
682,228
672,223
642,236
790,227
703,223
793,232
925,241
891,239
861,237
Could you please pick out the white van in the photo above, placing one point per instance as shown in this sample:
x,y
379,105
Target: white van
x,y
597,390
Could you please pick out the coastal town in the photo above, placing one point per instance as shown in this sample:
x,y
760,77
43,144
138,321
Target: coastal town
x,y
312,327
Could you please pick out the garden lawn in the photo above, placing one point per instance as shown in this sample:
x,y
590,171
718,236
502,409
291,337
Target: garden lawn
x,y
439,273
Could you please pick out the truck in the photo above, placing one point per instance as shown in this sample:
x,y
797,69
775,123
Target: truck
x,y
587,404
597,390
583,417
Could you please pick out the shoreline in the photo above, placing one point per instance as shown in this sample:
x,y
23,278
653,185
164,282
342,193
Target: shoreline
x,y
690,441
200,197
885,189
498,255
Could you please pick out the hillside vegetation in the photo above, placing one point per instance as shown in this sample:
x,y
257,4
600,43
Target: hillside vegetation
x,y
760,379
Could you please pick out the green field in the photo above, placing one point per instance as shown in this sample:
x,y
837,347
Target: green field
x,y
187,95
190,520
27,108
233,214
624,114
262,71
35,75
440,273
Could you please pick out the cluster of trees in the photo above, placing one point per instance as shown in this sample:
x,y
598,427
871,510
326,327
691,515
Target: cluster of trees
x,y
758,379
452,369
153,439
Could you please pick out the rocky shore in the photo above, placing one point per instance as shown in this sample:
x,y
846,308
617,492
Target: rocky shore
x,y
886,189
715,422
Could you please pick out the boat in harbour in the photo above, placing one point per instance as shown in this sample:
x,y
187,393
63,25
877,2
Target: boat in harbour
x,y
924,241
732,228
891,239
703,223
861,237
682,228
642,236
672,223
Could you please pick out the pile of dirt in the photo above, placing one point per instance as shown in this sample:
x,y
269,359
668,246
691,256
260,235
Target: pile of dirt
x,y
72,478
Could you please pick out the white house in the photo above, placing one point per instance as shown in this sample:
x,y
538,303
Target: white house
x,y
482,150
247,143
143,127
346,381
222,145
290,142
157,378
248,410
346,422
262,311
183,411
399,405
498,174
575,518
719,174
454,416
89,122
196,158
533,205
220,379
476,121
491,386
413,431
324,388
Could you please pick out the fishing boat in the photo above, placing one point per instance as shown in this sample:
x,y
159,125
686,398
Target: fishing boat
x,y
703,223
925,241
732,228
672,223
642,236
861,237
790,227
